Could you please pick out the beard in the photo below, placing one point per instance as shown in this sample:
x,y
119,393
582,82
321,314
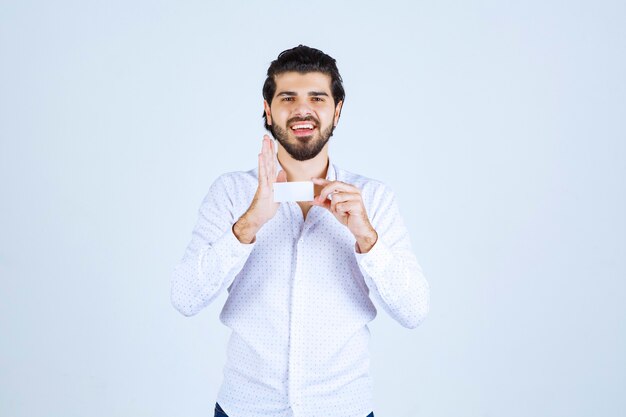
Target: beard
x,y
302,148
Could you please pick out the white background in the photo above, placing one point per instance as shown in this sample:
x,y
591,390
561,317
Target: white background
x,y
500,125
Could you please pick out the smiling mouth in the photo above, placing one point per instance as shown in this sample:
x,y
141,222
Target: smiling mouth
x,y
303,128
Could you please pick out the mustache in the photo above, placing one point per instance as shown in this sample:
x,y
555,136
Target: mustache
x,y
308,118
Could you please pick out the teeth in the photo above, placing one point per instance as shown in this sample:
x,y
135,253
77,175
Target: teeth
x,y
305,126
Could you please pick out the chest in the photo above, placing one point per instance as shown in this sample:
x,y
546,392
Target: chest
x,y
305,207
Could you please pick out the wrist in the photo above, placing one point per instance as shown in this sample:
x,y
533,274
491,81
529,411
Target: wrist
x,y
245,229
366,241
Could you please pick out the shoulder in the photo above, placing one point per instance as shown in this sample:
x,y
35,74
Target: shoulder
x,y
379,198
236,184
236,178
370,187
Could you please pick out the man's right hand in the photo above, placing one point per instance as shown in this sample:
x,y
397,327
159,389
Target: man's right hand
x,y
263,207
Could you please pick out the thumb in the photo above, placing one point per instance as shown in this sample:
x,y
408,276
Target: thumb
x,y
282,176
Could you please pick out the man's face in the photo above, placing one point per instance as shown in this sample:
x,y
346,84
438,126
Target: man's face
x,y
303,113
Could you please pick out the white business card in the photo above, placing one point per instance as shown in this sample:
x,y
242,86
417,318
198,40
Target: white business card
x,y
293,191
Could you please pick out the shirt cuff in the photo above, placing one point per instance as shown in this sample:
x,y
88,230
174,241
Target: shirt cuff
x,y
376,261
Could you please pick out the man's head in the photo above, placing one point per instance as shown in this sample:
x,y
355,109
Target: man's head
x,y
303,96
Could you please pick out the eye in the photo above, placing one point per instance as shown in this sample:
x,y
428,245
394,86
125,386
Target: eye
x,y
287,99
317,99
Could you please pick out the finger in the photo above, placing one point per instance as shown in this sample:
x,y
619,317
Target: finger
x,y
263,144
333,206
340,213
347,207
267,159
272,161
341,197
262,173
325,191
318,185
324,203
334,186
268,168
320,181
267,145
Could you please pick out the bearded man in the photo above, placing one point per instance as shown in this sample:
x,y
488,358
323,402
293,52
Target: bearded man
x,y
303,277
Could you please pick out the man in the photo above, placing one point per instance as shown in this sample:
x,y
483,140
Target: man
x,y
301,276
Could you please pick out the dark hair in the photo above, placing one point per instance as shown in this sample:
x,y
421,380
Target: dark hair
x,y
302,59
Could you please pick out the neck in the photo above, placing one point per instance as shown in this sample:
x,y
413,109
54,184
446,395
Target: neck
x,y
303,170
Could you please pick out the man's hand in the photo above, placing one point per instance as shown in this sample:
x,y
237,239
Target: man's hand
x,y
347,206
263,207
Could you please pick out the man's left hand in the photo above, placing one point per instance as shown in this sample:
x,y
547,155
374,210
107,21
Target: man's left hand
x,y
346,204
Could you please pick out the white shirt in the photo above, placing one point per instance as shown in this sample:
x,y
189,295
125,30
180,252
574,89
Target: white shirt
x,y
300,298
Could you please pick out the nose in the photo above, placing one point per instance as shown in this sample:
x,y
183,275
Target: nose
x,y
302,109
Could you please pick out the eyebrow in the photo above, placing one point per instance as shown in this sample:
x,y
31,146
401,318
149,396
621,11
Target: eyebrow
x,y
310,94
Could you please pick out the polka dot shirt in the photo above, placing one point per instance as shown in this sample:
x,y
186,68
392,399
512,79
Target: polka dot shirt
x,y
299,298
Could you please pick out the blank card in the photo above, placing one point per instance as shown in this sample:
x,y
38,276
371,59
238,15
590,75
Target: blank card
x,y
293,191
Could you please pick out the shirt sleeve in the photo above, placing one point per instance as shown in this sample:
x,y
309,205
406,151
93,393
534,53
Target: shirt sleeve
x,y
390,269
214,256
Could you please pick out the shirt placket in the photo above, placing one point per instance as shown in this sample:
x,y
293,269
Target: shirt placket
x,y
294,374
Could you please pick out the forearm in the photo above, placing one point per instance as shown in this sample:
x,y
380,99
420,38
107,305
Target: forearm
x,y
204,272
219,248
245,229
396,281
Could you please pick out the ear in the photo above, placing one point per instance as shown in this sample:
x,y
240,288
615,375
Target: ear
x,y
268,112
337,113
